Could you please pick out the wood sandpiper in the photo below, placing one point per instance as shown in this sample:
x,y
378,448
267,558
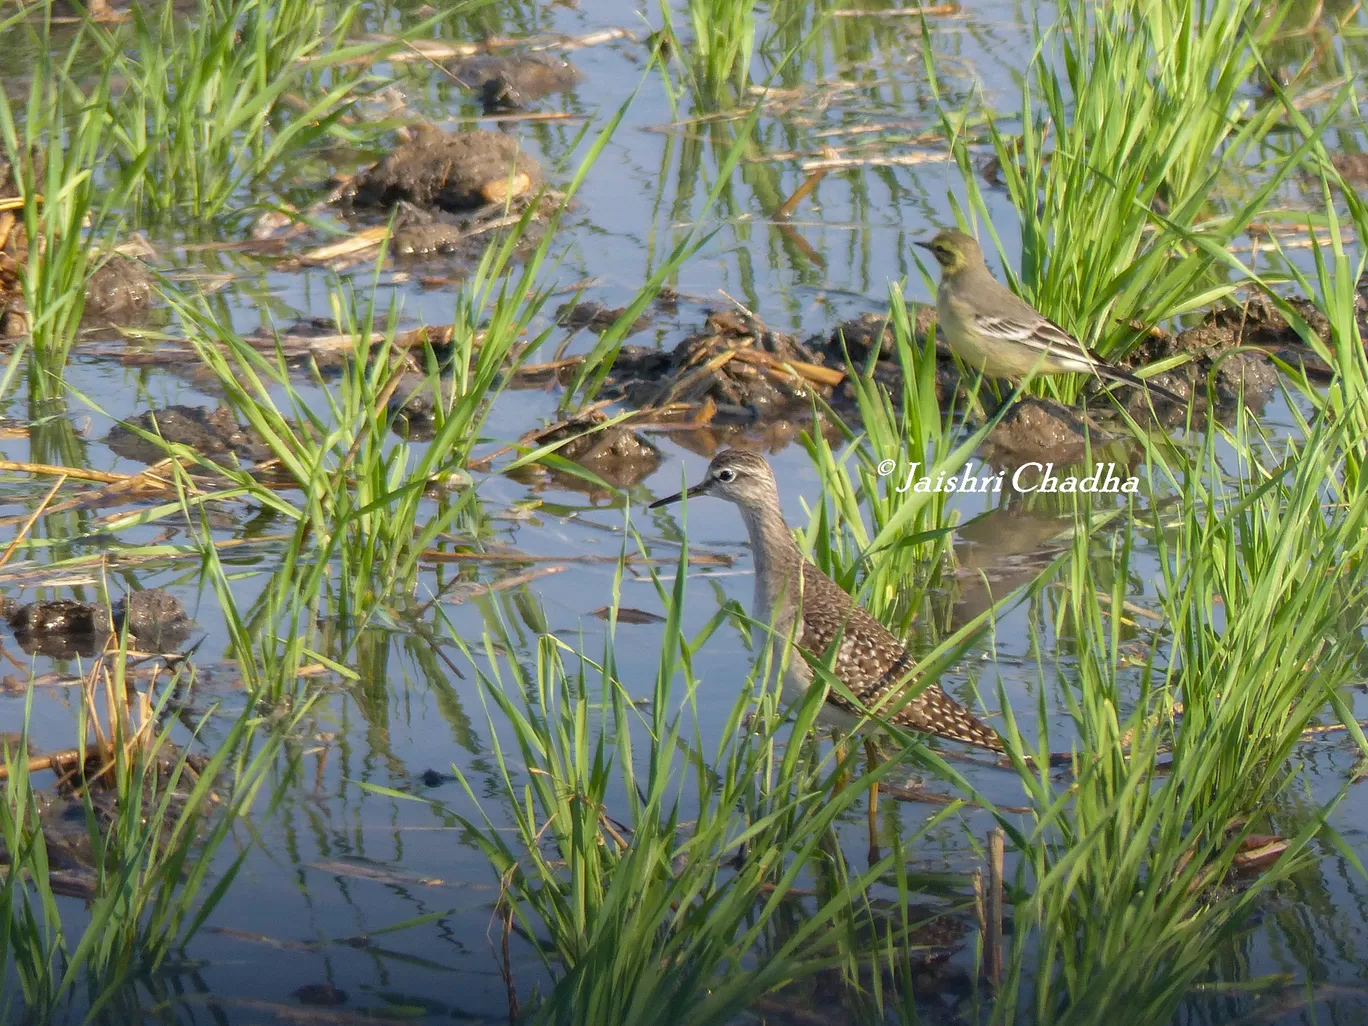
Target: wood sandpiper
x,y
869,661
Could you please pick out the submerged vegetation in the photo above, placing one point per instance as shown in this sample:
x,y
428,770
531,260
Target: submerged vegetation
x,y
378,528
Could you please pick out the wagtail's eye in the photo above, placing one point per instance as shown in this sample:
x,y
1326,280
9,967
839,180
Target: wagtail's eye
x,y
726,475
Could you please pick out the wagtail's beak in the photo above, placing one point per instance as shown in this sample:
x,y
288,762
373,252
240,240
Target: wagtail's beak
x,y
923,245
699,489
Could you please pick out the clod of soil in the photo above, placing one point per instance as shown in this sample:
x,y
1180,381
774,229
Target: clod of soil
x,y
867,332
617,454
871,333
62,628
413,404
60,616
1037,430
1148,407
62,815
450,171
426,238
1245,374
1256,324
13,322
1353,167
320,995
215,433
586,313
119,291
738,364
154,617
511,81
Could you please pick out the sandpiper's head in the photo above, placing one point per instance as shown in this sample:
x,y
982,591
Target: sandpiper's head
x,y
737,475
954,251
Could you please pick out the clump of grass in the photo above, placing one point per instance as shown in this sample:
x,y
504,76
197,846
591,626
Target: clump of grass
x,y
153,885
360,494
663,883
720,50
1119,899
201,118
67,208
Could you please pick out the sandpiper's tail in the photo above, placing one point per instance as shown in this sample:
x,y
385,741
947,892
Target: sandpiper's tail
x,y
935,712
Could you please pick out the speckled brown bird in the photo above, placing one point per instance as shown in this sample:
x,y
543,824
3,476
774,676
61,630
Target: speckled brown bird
x,y
873,665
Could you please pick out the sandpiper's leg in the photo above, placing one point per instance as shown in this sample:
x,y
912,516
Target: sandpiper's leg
x,y
872,760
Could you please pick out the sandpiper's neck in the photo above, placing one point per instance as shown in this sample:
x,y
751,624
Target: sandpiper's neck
x,y
778,561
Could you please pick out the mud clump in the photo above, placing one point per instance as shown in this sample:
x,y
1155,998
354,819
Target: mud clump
x,y
413,406
64,628
1040,431
154,617
449,171
868,333
1244,374
1353,167
736,365
59,624
426,236
512,81
63,814
215,433
597,317
616,454
119,291
320,995
1257,324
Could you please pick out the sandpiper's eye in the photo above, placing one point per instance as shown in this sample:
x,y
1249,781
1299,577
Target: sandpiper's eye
x,y
726,475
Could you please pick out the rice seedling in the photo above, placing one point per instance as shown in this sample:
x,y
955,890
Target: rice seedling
x,y
1119,898
201,119
361,492
656,879
152,882
720,50
68,212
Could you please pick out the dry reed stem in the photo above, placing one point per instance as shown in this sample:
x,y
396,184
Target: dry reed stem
x,y
28,524
886,160
503,907
53,760
701,559
981,913
78,473
785,209
360,242
938,10
996,858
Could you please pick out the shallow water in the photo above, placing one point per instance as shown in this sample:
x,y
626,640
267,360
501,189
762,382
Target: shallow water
x,y
332,865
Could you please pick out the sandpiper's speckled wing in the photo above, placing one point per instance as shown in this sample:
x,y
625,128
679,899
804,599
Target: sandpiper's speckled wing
x,y
873,664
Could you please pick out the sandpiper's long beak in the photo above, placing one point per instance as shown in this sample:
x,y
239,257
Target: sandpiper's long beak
x,y
699,489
